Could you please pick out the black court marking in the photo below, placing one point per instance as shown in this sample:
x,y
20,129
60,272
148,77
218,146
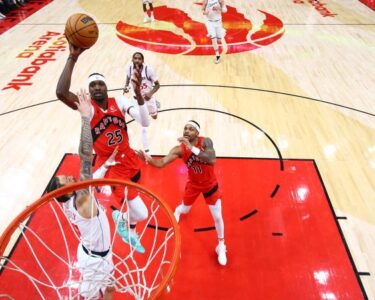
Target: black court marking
x,y
341,218
341,233
275,191
364,274
249,215
204,229
277,233
223,86
157,227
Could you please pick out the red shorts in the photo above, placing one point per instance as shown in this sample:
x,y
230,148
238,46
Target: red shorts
x,y
127,169
210,193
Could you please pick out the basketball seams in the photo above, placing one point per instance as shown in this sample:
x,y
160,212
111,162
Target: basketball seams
x,y
78,36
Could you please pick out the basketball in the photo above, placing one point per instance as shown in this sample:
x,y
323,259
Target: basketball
x,y
81,30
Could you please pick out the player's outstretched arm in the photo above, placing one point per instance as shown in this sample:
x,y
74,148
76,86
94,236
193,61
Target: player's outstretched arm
x,y
63,85
86,143
85,206
173,154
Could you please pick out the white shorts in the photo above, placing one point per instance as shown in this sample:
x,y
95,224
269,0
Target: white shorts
x,y
95,274
215,29
147,1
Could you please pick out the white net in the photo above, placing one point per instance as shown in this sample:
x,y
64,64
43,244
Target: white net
x,y
44,258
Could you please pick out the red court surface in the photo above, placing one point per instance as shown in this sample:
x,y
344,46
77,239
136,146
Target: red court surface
x,y
282,237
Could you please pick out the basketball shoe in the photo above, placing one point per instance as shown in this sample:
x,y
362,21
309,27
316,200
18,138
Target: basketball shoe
x,y
221,250
130,238
217,60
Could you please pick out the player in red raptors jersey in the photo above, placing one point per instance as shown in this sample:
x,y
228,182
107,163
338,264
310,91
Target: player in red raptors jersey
x,y
109,131
199,156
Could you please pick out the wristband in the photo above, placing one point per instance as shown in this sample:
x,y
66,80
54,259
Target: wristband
x,y
195,150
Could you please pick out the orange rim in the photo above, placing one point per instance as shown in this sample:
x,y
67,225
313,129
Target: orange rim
x,y
5,237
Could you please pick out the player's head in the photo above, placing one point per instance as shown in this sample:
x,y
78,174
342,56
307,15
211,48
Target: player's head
x,y
138,58
58,182
97,87
191,130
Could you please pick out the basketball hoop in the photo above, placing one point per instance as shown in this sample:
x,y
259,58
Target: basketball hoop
x,y
38,250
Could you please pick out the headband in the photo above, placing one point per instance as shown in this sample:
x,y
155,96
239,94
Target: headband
x,y
194,124
95,77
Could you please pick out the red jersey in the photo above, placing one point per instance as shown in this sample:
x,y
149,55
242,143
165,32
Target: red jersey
x,y
200,173
108,130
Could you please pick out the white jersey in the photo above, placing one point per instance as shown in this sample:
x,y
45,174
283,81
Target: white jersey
x,y
148,77
213,15
95,232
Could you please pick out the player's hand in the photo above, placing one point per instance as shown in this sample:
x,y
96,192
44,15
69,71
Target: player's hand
x,y
84,104
126,90
144,156
111,161
75,51
147,96
136,80
184,140
106,190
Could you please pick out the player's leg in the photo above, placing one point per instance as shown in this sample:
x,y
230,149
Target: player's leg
x,y
218,35
145,19
126,222
213,199
151,10
191,193
88,288
137,211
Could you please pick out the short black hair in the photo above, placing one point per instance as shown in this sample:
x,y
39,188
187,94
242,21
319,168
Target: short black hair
x,y
55,184
140,53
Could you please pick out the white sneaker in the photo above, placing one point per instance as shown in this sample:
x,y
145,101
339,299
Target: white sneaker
x,y
177,213
145,19
152,18
221,250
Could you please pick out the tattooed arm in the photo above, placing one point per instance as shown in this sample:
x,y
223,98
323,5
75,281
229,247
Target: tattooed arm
x,y
85,206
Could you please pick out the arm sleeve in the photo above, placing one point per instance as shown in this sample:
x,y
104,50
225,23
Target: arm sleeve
x,y
138,113
100,173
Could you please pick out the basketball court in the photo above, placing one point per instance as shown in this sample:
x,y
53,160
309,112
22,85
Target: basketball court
x,y
289,109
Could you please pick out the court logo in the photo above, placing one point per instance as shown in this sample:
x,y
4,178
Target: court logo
x,y
319,6
43,51
175,32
